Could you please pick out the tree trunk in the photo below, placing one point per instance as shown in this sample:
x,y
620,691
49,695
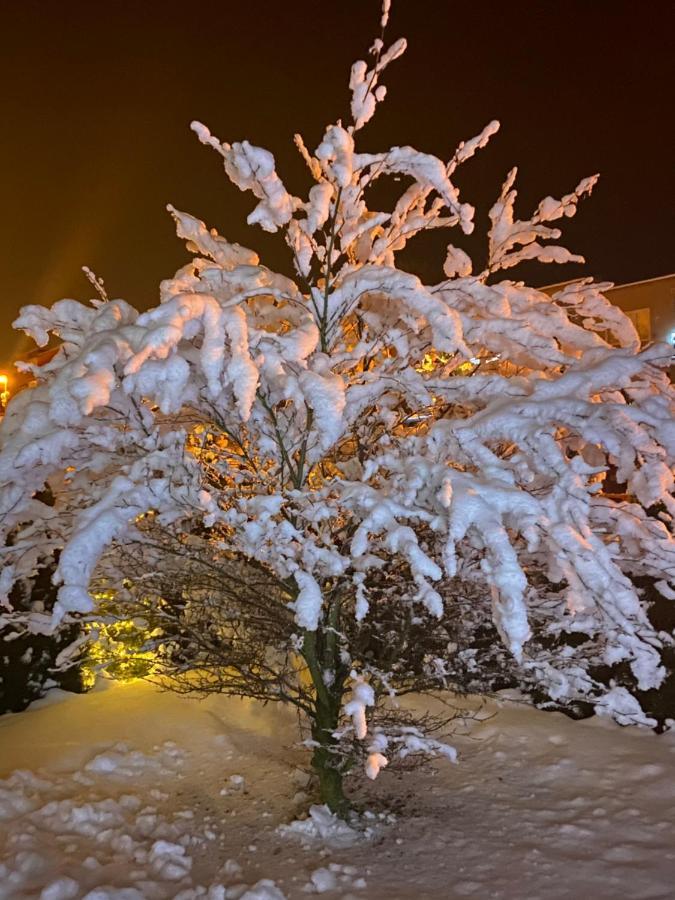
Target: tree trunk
x,y
324,762
320,655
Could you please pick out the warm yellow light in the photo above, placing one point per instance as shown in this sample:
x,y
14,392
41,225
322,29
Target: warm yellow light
x,y
117,648
4,392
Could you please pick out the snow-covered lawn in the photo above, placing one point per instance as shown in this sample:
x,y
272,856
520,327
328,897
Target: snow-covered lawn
x,y
131,793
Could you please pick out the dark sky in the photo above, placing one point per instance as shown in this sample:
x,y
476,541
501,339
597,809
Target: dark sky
x,y
96,99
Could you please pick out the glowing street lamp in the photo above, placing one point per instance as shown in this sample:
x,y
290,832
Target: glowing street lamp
x,y
4,391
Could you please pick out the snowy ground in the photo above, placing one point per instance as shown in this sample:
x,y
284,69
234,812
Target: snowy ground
x,y
128,793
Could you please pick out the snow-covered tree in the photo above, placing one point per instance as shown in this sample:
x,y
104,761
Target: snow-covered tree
x,y
363,441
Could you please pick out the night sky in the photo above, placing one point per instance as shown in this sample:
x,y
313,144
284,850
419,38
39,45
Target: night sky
x,y
96,100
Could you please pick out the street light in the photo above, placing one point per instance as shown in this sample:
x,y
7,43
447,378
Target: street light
x,y
4,391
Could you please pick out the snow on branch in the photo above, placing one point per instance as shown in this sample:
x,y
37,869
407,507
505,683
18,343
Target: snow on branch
x,y
507,234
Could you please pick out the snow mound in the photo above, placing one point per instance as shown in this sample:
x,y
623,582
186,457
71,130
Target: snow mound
x,y
61,889
121,762
170,860
332,877
322,827
263,890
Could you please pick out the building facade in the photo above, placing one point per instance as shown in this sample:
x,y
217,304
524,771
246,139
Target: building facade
x,y
649,304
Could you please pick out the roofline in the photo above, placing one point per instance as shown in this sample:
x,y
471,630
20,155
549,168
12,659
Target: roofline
x,y
615,287
618,287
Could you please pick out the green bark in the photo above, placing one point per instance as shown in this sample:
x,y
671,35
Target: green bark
x,y
319,651
325,761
